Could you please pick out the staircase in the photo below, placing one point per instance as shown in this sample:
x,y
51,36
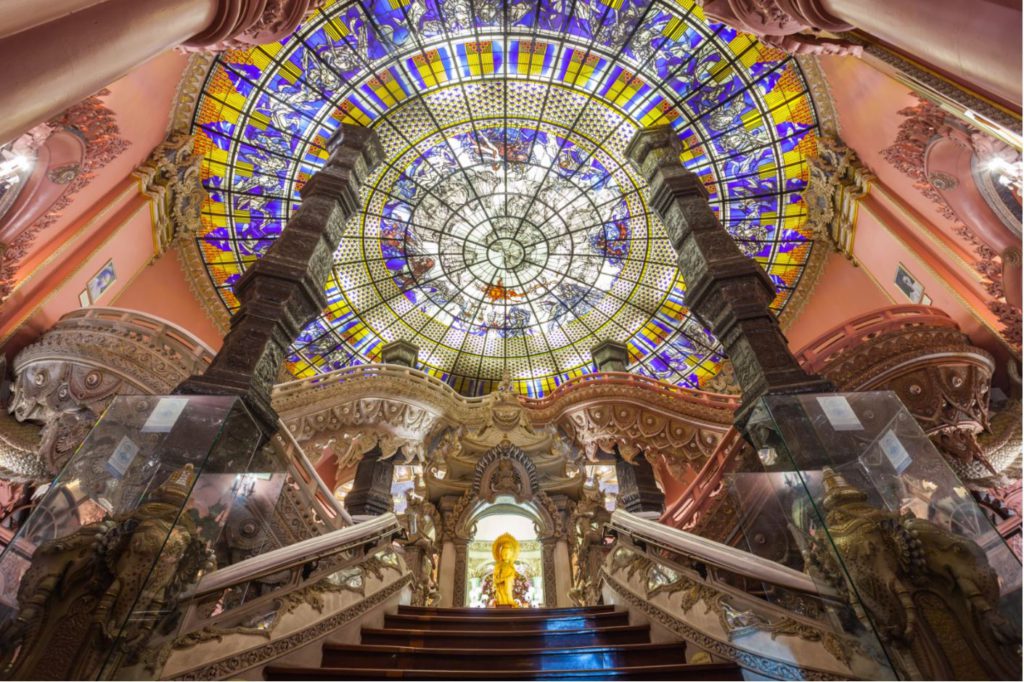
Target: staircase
x,y
506,644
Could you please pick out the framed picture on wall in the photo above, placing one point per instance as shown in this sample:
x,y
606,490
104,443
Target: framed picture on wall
x,y
908,284
101,281
83,299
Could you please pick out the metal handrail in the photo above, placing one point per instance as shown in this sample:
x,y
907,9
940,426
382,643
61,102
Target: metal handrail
x,y
295,554
715,553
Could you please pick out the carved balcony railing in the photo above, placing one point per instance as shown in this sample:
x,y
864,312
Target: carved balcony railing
x,y
920,353
65,379
830,347
771,620
693,509
239,618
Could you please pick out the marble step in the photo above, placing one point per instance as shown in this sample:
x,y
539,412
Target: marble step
x,y
490,638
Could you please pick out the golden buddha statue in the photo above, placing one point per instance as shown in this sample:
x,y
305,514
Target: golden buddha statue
x,y
505,550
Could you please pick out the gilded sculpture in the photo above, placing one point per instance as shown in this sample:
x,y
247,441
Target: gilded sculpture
x,y
930,594
505,550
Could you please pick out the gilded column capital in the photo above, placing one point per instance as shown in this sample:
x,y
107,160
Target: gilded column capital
x,y
244,23
170,177
838,180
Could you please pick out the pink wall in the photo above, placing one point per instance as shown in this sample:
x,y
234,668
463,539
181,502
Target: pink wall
x,y
125,238
108,219
142,102
867,103
843,291
161,290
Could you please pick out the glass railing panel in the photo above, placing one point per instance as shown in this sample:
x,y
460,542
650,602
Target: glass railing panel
x,y
848,488
154,497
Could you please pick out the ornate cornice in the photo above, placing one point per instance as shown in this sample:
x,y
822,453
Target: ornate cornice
x,y
599,411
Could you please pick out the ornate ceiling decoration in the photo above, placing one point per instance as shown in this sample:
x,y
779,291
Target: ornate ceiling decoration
x,y
506,231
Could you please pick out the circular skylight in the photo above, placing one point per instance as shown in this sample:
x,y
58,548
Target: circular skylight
x,y
506,229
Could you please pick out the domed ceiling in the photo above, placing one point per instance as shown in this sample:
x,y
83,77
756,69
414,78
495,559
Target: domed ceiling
x,y
506,228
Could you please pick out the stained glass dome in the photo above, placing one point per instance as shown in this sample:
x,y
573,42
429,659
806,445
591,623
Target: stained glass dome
x,y
506,230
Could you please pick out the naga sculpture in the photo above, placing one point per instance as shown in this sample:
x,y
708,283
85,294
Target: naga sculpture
x,y
929,594
90,600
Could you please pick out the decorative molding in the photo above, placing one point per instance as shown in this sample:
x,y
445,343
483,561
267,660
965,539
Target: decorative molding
x,y
838,181
96,125
933,86
170,177
186,100
925,122
762,665
246,660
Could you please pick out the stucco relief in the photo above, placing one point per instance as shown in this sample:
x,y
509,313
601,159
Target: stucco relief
x,y
65,380
998,250
91,122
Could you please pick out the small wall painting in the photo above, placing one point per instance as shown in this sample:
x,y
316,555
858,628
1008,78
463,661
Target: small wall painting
x,y
101,281
908,285
83,299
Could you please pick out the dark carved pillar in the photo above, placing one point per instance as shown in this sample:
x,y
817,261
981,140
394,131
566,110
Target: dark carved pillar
x,y
638,489
283,290
400,352
729,292
610,356
371,488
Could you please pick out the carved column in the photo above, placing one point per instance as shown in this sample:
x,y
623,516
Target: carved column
x,y
967,40
371,488
547,556
461,570
610,356
283,291
638,489
64,55
729,292
400,352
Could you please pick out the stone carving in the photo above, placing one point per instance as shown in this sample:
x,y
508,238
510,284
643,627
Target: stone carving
x,y
588,522
505,469
258,656
66,379
170,178
633,429
725,289
422,523
95,124
789,25
284,289
926,591
245,23
19,445
671,597
103,589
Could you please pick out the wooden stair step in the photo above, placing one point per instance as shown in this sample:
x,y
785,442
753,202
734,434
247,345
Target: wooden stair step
x,y
705,671
540,622
564,658
507,639
502,613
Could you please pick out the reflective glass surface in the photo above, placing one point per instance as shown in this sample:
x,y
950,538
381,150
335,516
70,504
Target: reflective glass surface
x,y
505,229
